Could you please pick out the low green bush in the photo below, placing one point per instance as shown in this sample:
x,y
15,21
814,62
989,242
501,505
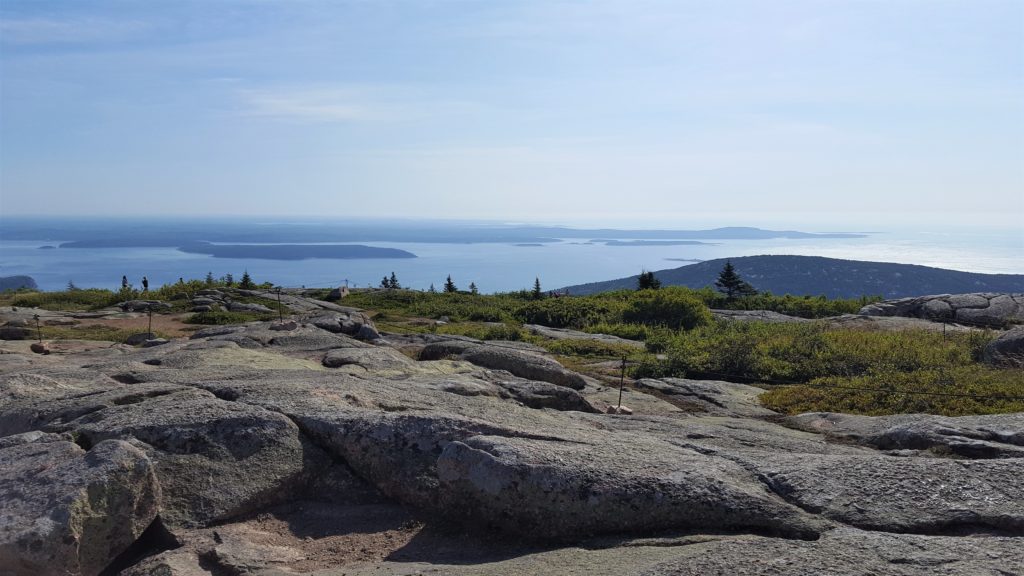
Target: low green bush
x,y
217,317
676,308
955,391
757,351
588,348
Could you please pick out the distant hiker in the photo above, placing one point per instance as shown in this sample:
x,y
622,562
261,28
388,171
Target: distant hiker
x,y
145,284
124,282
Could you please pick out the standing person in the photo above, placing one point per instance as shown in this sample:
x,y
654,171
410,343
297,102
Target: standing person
x,y
145,284
124,282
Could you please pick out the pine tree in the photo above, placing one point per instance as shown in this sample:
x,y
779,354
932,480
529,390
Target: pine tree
x,y
209,279
246,283
472,288
647,281
229,280
71,286
432,290
537,294
730,283
449,286
385,283
394,282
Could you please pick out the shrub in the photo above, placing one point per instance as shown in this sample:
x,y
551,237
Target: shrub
x,y
669,307
591,348
217,317
994,391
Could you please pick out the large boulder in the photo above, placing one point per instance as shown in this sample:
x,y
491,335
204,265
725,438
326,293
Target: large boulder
x,y
67,511
523,364
1007,351
714,397
553,488
341,322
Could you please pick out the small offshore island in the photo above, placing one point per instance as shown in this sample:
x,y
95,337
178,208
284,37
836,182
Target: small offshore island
x,y
293,251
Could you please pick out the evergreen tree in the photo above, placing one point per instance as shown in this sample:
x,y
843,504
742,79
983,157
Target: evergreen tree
x,y
209,279
537,294
730,283
71,286
246,283
449,286
432,290
385,283
472,288
394,282
647,281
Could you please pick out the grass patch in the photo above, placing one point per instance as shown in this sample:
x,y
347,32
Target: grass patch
x,y
589,348
92,332
958,391
219,317
818,368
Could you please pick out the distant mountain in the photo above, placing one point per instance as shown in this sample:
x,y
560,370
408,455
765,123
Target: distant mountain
x,y
17,283
169,232
832,277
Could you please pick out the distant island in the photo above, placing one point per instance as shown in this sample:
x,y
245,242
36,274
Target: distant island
x,y
17,283
652,242
293,251
832,277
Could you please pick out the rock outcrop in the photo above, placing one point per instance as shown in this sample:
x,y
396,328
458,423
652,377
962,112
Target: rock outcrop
x,y
980,309
240,439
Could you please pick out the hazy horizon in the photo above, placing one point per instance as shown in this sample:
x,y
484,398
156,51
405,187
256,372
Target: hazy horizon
x,y
803,114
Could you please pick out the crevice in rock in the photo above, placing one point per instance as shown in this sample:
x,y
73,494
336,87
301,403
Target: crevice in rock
x,y
83,440
136,398
211,563
126,378
154,539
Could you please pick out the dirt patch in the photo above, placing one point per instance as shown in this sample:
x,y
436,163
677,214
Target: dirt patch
x,y
308,536
170,324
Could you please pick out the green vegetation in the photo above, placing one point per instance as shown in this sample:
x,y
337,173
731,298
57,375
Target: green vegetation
x,y
176,294
730,283
588,348
957,391
671,307
217,317
819,366
647,281
91,332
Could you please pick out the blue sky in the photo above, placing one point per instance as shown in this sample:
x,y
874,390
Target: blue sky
x,y
634,111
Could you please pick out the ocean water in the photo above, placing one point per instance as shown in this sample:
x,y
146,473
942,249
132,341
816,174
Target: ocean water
x,y
498,266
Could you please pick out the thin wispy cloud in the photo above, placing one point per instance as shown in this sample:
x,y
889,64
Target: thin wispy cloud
x,y
82,30
306,105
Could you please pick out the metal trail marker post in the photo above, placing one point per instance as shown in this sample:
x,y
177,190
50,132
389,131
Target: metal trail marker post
x,y
280,311
622,382
39,331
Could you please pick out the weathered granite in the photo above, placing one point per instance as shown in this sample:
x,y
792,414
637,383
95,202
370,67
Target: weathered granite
x,y
982,308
